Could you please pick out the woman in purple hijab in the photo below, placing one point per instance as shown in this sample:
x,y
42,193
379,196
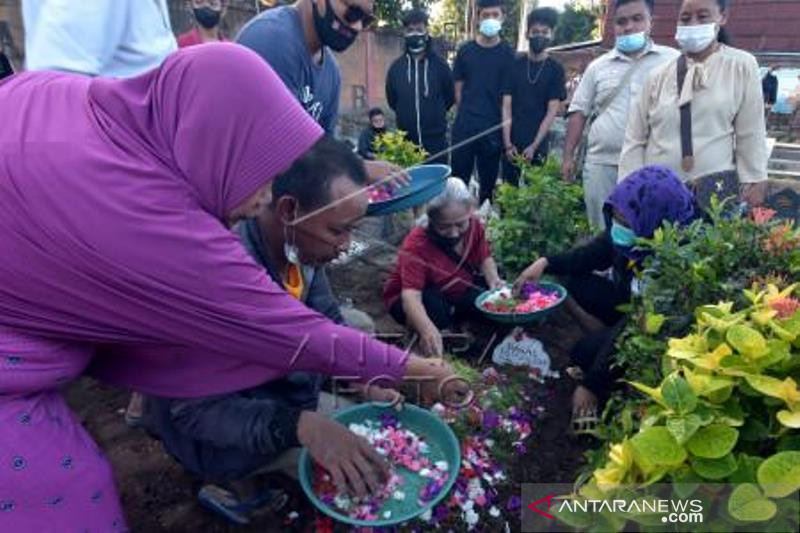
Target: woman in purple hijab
x,y
114,200
637,206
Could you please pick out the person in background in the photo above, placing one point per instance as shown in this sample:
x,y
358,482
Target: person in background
x,y
5,66
605,105
298,41
769,86
377,127
226,439
208,15
533,90
442,266
114,38
723,90
636,207
478,72
420,89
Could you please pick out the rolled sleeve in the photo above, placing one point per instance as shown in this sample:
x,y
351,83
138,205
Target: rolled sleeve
x,y
583,98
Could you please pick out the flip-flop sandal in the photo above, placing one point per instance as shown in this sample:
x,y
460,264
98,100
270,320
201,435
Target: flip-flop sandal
x,y
575,372
227,504
584,424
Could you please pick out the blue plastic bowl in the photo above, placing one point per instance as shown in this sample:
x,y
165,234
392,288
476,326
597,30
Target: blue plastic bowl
x,y
522,318
427,182
443,446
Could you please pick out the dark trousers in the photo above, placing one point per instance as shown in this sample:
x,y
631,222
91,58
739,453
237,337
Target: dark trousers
x,y
484,153
598,297
442,312
511,171
437,146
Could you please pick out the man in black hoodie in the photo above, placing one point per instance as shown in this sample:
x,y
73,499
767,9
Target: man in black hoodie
x,y
420,90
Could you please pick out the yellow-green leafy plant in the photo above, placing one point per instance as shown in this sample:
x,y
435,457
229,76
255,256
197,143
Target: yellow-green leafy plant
x,y
728,409
393,146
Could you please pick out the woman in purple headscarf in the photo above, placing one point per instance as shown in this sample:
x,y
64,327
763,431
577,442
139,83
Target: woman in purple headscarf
x,y
114,202
635,209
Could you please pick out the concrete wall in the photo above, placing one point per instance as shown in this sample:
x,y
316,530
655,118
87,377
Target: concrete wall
x,y
364,66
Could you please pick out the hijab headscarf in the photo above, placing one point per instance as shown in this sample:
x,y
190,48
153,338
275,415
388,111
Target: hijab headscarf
x,y
112,196
649,197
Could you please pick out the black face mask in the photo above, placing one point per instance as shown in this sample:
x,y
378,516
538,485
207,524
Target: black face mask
x,y
207,17
379,131
445,242
416,44
538,43
337,40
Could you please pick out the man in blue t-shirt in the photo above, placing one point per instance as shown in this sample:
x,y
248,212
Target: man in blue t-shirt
x,y
479,71
298,40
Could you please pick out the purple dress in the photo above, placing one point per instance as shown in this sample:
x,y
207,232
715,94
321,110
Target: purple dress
x,y
112,194
44,448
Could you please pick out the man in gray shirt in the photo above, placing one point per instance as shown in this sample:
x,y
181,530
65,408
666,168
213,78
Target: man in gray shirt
x,y
598,99
298,40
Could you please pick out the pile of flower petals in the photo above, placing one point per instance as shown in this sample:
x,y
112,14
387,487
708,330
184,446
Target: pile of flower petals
x,y
402,448
380,193
533,297
475,496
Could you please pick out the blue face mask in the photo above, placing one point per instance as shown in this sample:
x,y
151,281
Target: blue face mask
x,y
622,236
631,43
490,27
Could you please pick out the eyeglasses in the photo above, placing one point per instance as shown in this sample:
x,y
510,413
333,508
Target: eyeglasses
x,y
354,14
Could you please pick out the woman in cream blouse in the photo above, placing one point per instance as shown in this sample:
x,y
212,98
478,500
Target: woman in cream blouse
x,y
724,87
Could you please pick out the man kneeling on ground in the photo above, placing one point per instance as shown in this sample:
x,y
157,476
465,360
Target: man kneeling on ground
x,y
225,440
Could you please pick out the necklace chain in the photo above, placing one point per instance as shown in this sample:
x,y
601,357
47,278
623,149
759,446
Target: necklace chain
x,y
539,73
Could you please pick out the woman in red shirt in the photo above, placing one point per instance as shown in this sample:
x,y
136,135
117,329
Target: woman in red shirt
x,y
441,267
208,14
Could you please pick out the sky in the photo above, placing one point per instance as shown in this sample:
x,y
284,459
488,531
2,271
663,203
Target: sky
x,y
558,4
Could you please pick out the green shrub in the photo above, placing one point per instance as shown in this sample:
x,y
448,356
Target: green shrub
x,y
543,216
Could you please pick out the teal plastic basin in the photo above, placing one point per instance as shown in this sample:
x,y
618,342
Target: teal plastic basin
x,y
442,444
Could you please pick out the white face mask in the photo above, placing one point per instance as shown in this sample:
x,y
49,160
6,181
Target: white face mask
x,y
694,39
490,27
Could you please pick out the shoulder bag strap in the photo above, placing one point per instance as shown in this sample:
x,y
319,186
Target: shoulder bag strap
x,y
687,150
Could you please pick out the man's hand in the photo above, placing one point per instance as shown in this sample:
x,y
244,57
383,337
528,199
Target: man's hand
x,y
352,463
530,151
533,273
568,169
511,152
385,172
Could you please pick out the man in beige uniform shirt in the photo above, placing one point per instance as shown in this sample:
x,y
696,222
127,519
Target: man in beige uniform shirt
x,y
634,49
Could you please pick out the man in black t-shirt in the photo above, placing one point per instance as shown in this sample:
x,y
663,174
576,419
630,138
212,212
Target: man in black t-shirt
x,y
478,71
533,90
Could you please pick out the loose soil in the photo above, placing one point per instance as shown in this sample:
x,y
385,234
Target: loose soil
x,y
158,495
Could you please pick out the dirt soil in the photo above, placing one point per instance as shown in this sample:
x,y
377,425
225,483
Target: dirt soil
x,y
158,495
